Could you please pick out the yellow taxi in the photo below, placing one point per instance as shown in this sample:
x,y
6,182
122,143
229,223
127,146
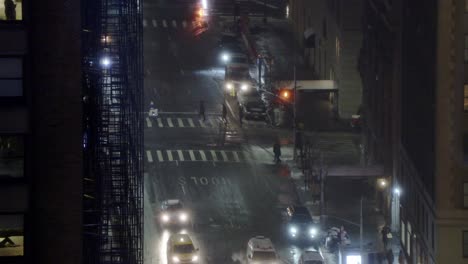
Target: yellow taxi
x,y
180,249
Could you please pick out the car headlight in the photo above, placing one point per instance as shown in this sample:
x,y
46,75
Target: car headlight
x,y
175,259
165,218
183,217
244,87
229,86
194,258
313,231
225,57
293,230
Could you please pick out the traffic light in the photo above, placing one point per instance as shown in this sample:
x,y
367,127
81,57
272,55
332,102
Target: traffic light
x,y
286,95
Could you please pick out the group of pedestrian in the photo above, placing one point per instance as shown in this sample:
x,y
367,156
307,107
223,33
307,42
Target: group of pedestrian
x,y
387,236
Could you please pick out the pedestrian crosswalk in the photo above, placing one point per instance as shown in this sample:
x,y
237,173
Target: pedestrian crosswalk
x,y
172,155
172,24
195,122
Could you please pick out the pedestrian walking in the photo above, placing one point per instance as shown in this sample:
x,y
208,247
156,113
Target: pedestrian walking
x,y
385,234
390,256
277,152
202,110
241,115
224,113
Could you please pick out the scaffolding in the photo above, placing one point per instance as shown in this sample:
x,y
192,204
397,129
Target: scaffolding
x,y
113,131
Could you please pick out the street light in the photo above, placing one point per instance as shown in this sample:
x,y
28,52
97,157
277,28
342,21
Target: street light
x,y
397,191
225,57
105,62
383,183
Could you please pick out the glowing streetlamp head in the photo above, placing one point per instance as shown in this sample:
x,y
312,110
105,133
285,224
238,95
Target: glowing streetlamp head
x,y
397,191
105,62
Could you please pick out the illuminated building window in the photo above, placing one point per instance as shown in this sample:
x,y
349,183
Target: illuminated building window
x,y
11,10
11,235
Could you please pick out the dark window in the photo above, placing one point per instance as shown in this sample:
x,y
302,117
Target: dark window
x,y
465,244
465,95
11,77
465,194
466,49
324,28
11,235
11,157
11,10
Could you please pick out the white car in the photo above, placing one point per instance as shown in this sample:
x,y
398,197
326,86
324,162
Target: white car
x,y
260,250
173,213
311,257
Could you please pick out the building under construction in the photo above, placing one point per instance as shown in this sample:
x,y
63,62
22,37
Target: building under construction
x,y
113,131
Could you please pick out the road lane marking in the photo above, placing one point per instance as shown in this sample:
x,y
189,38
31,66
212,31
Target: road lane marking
x,y
160,156
174,23
155,23
223,153
192,155
145,23
202,124
164,23
181,155
179,120
160,124
202,154
149,156
236,157
213,154
169,121
148,122
169,155
184,24
190,121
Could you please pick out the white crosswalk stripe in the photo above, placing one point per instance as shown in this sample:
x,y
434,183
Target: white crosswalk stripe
x,y
200,155
145,23
160,122
149,156
184,24
179,120
164,23
155,23
169,121
174,23
191,122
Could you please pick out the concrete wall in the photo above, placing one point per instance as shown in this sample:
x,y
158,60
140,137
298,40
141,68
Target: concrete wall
x,y
56,193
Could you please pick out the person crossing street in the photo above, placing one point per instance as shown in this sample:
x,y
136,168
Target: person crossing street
x,y
202,110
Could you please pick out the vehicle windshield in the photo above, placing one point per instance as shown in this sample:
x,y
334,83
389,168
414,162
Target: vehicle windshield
x,y
184,249
238,60
239,75
263,256
301,218
174,207
255,105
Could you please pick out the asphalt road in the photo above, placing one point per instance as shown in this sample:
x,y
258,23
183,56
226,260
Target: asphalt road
x,y
223,173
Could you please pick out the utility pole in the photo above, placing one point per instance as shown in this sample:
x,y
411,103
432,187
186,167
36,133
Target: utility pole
x,y
361,233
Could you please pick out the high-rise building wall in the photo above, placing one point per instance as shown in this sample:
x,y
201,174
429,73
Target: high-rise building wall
x,y
40,132
338,37
430,173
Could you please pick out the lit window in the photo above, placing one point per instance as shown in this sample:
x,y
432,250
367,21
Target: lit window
x,y
11,77
11,10
11,157
465,244
11,235
465,194
465,102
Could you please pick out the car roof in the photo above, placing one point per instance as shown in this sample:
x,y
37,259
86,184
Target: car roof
x,y
180,239
311,255
261,243
172,202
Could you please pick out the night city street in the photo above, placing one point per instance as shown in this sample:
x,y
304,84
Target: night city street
x,y
234,132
